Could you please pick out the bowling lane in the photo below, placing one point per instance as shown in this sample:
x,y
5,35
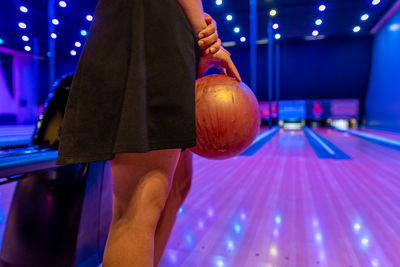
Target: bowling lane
x,y
372,158
281,207
371,183
16,135
16,130
229,217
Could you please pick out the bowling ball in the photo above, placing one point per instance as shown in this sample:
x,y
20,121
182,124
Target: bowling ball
x,y
227,117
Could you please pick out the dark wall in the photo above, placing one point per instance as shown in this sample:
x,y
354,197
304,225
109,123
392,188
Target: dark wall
x,y
330,68
383,98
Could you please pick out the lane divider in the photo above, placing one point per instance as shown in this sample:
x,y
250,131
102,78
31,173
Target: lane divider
x,y
322,147
27,163
377,139
260,141
15,141
395,131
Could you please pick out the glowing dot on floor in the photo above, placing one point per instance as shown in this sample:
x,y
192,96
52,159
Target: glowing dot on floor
x,y
273,251
180,210
364,241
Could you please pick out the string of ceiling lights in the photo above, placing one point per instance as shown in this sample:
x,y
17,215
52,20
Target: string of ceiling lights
x,y
321,8
318,22
56,22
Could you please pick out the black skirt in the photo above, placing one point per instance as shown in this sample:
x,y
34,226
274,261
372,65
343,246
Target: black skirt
x,y
133,90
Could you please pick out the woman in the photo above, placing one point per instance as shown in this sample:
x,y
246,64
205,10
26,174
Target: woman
x,y
132,102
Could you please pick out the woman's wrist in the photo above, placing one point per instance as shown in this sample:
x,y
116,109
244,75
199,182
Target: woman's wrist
x,y
198,28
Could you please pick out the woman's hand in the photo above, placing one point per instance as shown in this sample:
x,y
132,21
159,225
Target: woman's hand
x,y
209,41
220,60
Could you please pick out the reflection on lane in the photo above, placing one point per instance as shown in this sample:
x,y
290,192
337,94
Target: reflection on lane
x,y
292,143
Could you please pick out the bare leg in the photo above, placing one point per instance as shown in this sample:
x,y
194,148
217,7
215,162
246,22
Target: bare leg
x,y
180,188
141,184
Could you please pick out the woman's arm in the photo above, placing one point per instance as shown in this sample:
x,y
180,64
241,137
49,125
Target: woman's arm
x,y
193,10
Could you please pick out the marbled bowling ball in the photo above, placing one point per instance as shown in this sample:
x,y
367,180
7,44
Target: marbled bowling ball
x,y
227,117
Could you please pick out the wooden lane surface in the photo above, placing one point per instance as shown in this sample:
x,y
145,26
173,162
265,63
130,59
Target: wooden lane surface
x,y
286,207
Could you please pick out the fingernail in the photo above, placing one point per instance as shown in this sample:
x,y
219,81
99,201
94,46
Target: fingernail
x,y
201,35
212,50
201,42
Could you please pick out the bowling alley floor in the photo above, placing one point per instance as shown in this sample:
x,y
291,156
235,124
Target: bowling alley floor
x,y
285,206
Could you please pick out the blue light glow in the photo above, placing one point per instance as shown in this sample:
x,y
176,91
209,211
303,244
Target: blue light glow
x,y
237,228
53,35
236,29
364,17
229,17
278,219
83,32
394,27
1,41
27,48
180,210
62,4
230,245
318,22
322,8
23,9
277,36
78,44
315,33
22,25
356,29
73,53
219,262
55,21
189,240
376,2
25,38
243,39
318,237
218,2
275,26
89,17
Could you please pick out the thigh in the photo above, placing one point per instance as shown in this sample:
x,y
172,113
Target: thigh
x,y
142,176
